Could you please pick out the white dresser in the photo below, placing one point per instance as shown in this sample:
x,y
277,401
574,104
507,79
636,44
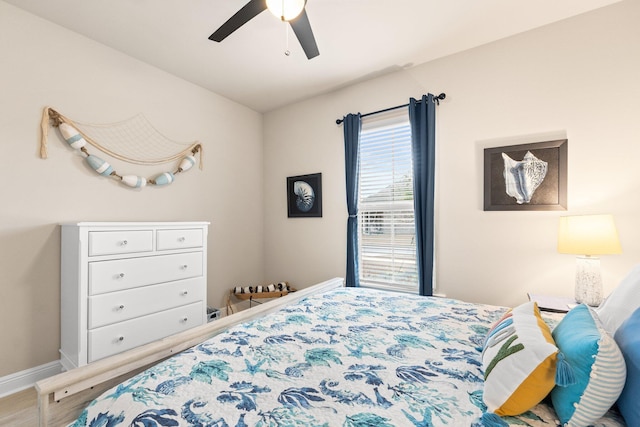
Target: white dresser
x,y
125,284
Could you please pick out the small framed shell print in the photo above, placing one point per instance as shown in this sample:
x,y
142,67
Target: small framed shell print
x,y
526,177
304,195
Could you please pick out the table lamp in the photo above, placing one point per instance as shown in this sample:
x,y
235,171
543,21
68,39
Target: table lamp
x,y
588,236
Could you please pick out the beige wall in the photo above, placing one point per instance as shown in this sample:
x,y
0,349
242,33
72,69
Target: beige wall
x,y
43,64
577,79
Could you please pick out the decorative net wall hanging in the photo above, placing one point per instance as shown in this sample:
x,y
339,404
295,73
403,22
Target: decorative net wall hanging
x,y
133,140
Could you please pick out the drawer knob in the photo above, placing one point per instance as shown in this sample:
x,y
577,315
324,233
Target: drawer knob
x,y
185,292
184,319
121,275
120,338
121,307
184,267
124,243
181,239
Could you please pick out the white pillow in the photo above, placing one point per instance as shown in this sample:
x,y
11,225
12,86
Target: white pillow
x,y
622,302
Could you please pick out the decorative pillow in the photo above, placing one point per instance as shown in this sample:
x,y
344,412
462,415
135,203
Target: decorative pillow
x,y
628,339
519,361
621,303
597,364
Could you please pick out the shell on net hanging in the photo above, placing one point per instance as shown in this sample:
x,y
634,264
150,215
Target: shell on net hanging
x,y
133,140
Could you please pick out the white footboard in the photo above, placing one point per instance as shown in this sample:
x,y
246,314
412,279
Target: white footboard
x,y
62,398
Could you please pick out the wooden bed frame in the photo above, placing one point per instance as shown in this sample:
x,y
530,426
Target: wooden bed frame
x,y
62,398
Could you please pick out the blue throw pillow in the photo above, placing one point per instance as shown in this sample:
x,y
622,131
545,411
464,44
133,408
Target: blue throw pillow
x,y
597,364
628,339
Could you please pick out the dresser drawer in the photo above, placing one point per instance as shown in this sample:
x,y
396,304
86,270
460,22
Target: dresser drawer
x,y
126,335
120,242
114,307
178,239
120,274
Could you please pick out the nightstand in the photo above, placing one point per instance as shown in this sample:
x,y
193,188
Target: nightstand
x,y
552,303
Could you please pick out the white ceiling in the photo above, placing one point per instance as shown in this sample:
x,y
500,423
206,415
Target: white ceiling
x,y
357,39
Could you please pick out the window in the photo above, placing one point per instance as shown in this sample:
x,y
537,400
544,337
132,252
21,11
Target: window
x,y
386,224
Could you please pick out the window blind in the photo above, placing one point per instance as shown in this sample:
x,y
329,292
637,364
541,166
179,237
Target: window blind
x,y
386,223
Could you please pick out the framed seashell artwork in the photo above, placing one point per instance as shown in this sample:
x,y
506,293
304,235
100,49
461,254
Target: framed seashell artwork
x,y
304,196
526,177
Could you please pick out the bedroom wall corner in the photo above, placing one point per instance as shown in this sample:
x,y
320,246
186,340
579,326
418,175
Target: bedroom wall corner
x,y
46,65
577,77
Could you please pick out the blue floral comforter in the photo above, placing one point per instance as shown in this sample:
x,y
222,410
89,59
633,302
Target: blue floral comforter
x,y
350,357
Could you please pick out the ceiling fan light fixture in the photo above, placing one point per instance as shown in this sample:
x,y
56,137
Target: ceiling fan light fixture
x,y
286,10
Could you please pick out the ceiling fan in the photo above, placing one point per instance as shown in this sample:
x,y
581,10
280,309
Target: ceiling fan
x,y
292,11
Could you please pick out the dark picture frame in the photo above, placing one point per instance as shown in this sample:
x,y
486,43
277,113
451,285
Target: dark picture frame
x,y
304,196
551,192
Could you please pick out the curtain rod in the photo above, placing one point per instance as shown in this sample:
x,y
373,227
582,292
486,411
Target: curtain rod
x,y
437,98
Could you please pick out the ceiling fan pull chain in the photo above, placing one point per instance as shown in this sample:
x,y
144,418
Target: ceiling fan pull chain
x,y
286,30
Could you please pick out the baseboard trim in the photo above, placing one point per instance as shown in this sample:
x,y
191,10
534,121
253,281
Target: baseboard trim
x,y
22,380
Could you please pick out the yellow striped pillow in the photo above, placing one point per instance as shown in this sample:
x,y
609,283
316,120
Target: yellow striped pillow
x,y
519,361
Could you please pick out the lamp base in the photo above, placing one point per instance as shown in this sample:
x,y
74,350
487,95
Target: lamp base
x,y
588,281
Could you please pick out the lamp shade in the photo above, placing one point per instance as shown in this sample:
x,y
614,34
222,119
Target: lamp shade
x,y
286,9
588,235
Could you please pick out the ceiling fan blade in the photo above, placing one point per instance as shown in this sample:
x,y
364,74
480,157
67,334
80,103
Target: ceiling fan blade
x,y
241,17
302,29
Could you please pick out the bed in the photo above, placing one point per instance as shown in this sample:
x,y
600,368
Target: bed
x,y
322,356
